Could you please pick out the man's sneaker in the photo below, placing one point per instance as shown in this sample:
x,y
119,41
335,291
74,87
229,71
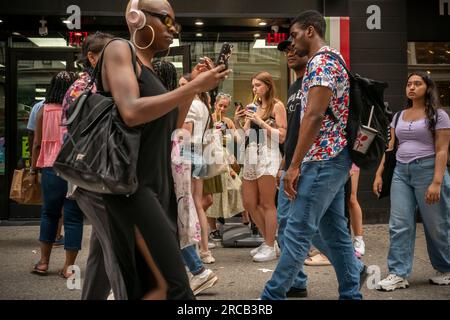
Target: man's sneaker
x,y
215,235
392,282
297,293
254,251
207,257
360,246
265,254
59,242
441,278
203,281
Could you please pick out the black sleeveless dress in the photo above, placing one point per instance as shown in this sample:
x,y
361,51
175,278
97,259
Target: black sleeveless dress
x,y
152,209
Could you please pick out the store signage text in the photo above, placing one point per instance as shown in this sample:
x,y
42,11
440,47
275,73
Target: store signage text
x,y
75,18
442,4
276,37
76,38
374,20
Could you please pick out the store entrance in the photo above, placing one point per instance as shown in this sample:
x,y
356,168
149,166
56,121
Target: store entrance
x,y
30,72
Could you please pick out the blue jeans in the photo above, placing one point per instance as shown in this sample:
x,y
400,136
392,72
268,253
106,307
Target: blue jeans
x,y
192,260
409,186
284,205
318,207
54,190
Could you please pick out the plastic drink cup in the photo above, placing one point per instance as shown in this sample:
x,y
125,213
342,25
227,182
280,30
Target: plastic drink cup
x,y
364,139
252,107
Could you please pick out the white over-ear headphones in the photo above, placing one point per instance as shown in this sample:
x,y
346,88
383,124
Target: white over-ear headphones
x,y
135,17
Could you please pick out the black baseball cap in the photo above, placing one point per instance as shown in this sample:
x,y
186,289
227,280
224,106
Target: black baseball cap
x,y
284,44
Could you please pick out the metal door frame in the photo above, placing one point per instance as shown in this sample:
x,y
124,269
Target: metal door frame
x,y
13,55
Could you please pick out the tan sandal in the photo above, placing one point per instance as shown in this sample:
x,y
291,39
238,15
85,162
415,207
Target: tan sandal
x,y
317,261
37,269
313,252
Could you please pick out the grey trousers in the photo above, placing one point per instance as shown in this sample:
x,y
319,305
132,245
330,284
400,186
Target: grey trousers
x,y
102,269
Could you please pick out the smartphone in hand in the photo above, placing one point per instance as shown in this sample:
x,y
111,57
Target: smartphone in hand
x,y
224,55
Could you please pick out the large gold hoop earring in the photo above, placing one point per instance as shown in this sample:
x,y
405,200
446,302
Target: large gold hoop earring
x,y
151,42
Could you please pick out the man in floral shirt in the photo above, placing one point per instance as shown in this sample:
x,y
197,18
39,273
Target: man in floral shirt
x,y
319,169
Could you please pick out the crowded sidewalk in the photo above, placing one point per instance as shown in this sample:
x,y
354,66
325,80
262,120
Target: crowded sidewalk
x,y
239,277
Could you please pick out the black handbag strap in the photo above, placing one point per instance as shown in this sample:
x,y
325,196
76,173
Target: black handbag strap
x,y
396,119
98,74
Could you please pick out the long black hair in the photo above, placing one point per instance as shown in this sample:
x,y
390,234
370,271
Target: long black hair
x,y
59,85
167,73
93,43
431,99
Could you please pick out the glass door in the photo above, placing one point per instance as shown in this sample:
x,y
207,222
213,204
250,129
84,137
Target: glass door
x,y
3,188
31,75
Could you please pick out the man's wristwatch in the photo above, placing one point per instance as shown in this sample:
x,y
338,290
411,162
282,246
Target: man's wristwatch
x,y
33,171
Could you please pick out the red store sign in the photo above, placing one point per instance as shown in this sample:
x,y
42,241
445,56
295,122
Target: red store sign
x,y
276,38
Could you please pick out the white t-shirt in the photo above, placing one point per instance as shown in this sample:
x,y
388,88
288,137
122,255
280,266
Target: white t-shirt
x,y
198,114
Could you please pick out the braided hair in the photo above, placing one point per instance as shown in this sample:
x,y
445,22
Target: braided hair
x,y
167,74
59,85
431,100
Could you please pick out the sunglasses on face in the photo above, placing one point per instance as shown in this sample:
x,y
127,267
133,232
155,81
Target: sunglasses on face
x,y
167,20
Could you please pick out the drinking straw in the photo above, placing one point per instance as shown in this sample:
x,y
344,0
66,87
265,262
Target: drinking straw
x,y
370,117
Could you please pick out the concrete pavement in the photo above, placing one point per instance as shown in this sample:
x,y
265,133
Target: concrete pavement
x,y
239,277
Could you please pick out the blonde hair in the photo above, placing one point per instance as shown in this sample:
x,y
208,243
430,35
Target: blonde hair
x,y
267,79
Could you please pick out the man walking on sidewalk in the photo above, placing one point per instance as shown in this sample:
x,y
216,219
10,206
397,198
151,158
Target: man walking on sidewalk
x,y
319,169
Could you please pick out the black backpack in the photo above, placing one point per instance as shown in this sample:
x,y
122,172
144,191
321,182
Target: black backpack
x,y
365,95
100,152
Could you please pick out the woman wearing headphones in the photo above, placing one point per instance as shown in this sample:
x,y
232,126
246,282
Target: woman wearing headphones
x,y
146,220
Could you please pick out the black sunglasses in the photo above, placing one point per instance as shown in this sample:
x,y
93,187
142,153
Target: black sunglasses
x,y
167,20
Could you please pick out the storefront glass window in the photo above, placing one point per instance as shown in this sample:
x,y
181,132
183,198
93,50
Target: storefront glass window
x,y
245,62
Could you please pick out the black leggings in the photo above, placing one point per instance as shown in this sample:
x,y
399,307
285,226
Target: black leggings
x,y
144,210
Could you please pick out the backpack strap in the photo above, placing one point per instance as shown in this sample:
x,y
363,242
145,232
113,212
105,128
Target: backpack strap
x,y
334,55
341,61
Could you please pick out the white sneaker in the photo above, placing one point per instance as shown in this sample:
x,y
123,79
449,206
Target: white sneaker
x,y
253,252
111,296
392,282
203,281
207,257
211,245
441,278
360,246
265,254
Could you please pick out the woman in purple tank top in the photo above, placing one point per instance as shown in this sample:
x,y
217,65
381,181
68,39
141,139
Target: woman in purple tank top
x,y
421,179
